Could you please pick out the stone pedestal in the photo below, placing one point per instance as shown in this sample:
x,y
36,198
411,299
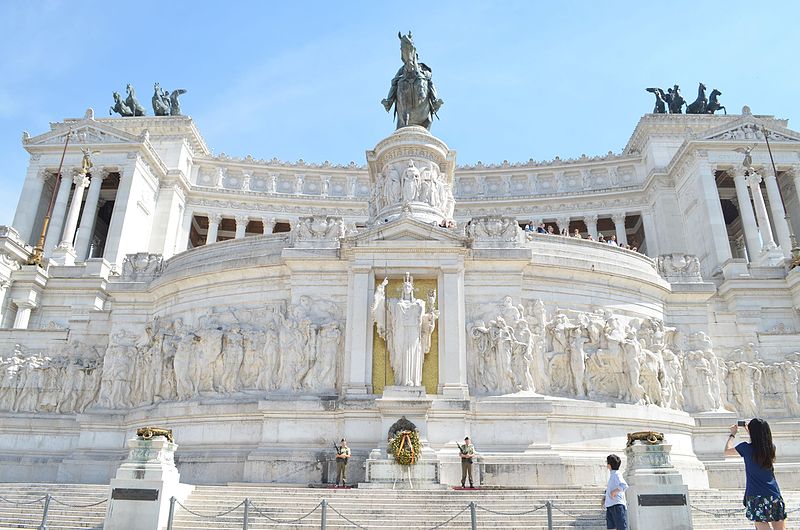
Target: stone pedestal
x,y
140,493
657,496
382,471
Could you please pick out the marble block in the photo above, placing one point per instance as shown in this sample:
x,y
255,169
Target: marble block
x,y
656,496
141,491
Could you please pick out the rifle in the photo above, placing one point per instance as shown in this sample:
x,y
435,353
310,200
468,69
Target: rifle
x,y
338,448
462,448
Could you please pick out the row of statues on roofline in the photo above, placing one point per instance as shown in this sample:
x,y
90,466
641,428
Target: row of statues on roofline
x,y
601,356
165,103
273,349
671,101
296,349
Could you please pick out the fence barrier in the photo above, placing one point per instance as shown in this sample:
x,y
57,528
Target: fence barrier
x,y
48,499
251,510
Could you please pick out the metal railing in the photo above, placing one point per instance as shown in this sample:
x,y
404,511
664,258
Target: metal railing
x,y
250,510
48,499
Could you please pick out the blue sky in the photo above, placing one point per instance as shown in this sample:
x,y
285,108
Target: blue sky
x,y
295,80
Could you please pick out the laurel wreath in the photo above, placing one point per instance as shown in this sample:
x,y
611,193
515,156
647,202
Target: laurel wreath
x,y
405,447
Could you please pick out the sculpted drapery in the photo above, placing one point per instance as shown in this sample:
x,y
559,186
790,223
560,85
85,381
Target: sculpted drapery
x,y
406,324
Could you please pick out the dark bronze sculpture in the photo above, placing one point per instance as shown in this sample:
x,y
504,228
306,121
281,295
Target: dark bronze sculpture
x,y
174,104
713,103
160,101
120,107
698,106
412,93
661,103
674,102
133,103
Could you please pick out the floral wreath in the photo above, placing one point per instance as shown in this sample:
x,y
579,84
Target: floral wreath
x,y
405,447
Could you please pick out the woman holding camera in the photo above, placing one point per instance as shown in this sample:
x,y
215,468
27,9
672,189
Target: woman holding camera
x,y
762,497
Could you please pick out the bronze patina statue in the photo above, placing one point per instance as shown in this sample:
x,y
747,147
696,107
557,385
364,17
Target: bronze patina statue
x,y
673,102
412,92
661,100
120,107
160,101
147,433
133,103
648,437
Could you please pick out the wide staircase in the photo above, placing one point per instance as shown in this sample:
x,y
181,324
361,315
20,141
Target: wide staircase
x,y
223,507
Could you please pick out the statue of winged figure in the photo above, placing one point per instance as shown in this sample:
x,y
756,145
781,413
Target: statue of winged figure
x,y
748,159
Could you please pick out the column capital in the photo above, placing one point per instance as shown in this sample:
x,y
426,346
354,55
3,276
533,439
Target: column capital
x,y
590,218
214,218
80,179
618,217
753,179
241,219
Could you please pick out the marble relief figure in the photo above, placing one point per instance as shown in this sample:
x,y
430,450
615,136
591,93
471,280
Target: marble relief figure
x,y
406,324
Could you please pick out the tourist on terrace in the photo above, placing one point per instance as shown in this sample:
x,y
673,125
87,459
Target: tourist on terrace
x,y
551,230
614,500
612,240
762,496
541,229
529,227
601,239
577,234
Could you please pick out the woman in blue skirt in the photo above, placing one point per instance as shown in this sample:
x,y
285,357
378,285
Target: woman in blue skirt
x,y
762,496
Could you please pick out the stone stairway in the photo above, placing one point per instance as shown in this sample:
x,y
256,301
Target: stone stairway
x,y
76,514
280,507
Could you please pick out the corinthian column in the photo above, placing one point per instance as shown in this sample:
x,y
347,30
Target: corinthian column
x,y
213,227
241,226
57,218
269,224
81,181
754,181
89,215
778,212
591,225
748,217
619,225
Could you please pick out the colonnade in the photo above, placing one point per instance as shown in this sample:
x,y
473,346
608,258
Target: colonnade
x,y
763,231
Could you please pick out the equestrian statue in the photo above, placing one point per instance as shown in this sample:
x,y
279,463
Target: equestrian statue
x,y
671,101
412,92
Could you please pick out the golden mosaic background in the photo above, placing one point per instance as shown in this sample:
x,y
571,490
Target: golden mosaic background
x,y
382,373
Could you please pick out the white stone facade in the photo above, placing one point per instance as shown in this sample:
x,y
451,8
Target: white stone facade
x,y
230,300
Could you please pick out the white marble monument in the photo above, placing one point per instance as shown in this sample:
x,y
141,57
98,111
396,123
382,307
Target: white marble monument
x,y
238,301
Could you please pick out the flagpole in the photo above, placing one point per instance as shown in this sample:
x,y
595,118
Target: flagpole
x,y
36,258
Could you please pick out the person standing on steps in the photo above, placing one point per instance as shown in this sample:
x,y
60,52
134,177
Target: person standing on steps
x,y
762,496
614,500
342,456
467,453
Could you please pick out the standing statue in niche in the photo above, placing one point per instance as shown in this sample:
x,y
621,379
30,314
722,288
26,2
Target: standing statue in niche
x,y
406,324
412,92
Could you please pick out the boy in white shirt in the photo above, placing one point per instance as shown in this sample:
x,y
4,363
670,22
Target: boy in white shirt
x,y
614,501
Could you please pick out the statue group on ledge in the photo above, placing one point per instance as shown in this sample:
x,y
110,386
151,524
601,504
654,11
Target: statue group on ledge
x,y
164,103
672,101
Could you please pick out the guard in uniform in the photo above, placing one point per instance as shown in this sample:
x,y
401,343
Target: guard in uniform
x,y
467,453
342,456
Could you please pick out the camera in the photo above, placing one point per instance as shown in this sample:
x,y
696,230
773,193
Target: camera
x,y
741,423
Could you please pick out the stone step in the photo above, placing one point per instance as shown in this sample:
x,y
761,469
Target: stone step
x,y
375,509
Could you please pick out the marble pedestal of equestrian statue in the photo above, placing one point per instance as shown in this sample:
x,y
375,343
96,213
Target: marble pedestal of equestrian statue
x,y
140,493
381,469
656,496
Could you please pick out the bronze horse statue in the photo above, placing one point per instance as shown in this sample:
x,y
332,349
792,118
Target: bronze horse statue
x,y
699,105
412,93
713,103
133,103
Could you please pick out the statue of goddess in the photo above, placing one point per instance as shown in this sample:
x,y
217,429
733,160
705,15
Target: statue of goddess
x,y
406,326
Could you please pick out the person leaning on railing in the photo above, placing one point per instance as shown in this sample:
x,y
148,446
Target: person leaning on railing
x,y
762,496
